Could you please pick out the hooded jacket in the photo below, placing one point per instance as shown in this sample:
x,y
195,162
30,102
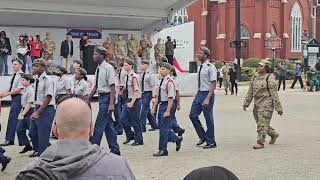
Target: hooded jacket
x,y
80,160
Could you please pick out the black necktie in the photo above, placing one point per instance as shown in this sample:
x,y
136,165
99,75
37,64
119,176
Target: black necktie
x,y
97,76
160,89
120,75
12,80
199,76
36,91
142,86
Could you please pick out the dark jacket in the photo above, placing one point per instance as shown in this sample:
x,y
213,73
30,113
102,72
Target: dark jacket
x,y
6,45
170,46
64,50
233,75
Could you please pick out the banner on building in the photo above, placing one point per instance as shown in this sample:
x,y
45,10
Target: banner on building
x,y
184,36
91,33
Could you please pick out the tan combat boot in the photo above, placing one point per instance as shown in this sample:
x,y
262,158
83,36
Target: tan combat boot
x,y
258,146
273,139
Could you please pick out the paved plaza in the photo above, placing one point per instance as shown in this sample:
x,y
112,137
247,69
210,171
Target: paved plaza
x,y
294,157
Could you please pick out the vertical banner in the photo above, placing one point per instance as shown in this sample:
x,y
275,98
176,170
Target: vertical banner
x,y
184,36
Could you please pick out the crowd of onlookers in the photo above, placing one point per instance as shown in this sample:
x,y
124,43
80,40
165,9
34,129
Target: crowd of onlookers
x,y
227,75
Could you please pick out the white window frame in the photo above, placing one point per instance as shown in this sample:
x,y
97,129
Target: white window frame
x,y
183,14
296,28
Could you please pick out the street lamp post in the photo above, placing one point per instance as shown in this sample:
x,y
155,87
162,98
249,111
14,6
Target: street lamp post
x,y
238,38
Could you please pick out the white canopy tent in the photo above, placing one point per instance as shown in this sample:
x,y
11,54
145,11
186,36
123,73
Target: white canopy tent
x,y
143,15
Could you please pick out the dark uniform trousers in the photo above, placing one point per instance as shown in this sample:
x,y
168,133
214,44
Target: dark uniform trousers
x,y
165,125
22,127
3,158
40,128
117,114
13,117
105,124
146,112
175,126
196,110
130,117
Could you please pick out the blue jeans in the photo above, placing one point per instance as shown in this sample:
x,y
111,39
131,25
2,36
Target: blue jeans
x,y
165,125
13,117
3,64
105,124
40,129
130,117
22,126
196,110
24,59
146,113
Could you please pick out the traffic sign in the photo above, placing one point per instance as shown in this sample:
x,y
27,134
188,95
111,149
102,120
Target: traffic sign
x,y
273,42
235,44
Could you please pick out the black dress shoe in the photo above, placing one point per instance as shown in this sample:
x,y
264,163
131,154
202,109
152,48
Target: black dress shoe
x,y
160,153
26,149
119,133
2,150
5,163
34,154
178,143
7,143
181,132
152,129
137,144
201,142
209,146
128,140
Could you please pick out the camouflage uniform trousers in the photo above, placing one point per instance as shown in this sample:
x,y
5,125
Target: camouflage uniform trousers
x,y
226,83
263,118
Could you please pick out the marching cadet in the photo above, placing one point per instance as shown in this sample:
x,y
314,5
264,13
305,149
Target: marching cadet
x,y
130,115
148,88
81,86
165,97
105,87
15,93
42,117
122,97
263,90
27,100
63,84
204,100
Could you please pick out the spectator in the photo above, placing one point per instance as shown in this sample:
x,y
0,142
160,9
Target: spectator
x,y
5,51
108,44
87,48
36,48
73,157
66,52
233,79
211,173
297,75
282,67
170,46
22,50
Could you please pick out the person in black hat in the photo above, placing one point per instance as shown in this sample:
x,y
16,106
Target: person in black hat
x,y
88,47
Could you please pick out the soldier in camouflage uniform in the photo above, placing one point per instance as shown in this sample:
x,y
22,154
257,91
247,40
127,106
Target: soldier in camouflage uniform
x,y
146,45
226,76
263,90
133,47
49,47
120,50
159,50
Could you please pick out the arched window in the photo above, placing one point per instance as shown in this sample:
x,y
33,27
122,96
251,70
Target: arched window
x,y
244,32
181,17
296,26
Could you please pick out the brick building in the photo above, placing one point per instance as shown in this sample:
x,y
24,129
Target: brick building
x,y
288,19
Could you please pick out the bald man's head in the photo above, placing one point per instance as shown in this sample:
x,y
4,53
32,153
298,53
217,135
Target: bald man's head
x,y
73,119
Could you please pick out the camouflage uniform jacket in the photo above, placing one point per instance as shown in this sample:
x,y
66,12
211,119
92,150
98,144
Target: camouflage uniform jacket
x,y
49,46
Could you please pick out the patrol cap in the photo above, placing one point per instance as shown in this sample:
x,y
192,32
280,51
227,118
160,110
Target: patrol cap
x,y
17,60
167,66
78,62
101,50
265,63
130,62
205,50
145,62
40,62
63,69
28,77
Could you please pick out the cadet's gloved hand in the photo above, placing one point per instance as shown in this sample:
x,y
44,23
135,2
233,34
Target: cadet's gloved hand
x,y
244,108
280,113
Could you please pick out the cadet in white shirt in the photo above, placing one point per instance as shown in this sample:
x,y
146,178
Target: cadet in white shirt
x,y
105,87
148,88
81,86
204,100
42,118
27,100
166,95
130,116
63,84
15,92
